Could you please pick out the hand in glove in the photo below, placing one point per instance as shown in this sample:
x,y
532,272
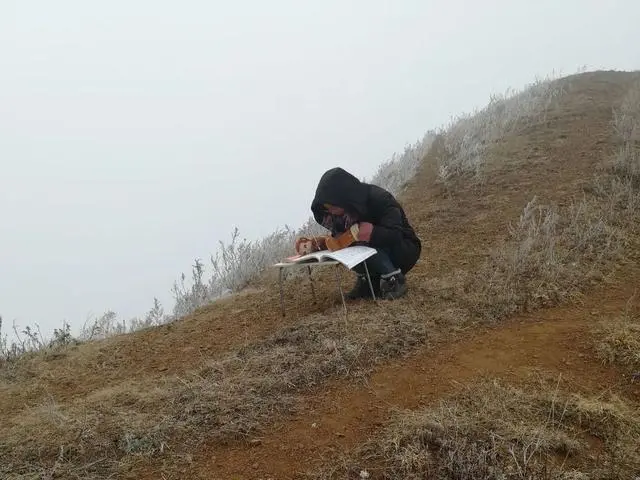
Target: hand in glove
x,y
306,245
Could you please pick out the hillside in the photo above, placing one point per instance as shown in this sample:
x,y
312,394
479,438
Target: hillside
x,y
513,355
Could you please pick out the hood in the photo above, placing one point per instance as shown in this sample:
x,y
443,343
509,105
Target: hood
x,y
340,188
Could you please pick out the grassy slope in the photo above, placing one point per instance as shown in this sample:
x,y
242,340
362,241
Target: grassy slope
x,y
152,400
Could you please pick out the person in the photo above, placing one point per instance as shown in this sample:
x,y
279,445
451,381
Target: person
x,y
340,201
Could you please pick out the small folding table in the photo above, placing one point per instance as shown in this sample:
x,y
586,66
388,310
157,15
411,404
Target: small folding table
x,y
309,266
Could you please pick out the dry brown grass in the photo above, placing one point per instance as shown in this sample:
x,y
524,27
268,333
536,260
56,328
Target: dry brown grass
x,y
225,400
492,430
256,381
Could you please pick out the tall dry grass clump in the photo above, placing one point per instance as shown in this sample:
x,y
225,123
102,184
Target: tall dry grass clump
x,y
617,340
491,430
549,255
626,122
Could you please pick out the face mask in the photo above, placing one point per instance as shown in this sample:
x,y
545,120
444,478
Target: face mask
x,y
339,223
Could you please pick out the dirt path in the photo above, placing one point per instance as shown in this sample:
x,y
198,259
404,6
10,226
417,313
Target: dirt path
x,y
555,342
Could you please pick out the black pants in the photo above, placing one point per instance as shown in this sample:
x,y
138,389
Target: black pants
x,y
379,265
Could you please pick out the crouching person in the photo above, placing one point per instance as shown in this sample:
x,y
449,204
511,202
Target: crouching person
x,y
342,201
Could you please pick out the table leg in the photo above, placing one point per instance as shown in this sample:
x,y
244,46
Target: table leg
x,y
313,289
281,293
366,269
339,282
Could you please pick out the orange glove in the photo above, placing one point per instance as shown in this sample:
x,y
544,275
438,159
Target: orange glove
x,y
306,245
344,239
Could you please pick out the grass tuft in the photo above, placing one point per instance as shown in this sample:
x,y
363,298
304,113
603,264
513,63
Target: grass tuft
x,y
491,430
547,258
617,340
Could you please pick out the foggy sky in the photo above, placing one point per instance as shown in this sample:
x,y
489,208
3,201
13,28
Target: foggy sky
x,y
134,135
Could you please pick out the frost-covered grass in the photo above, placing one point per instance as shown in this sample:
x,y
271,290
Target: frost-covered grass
x,y
394,174
468,136
548,257
234,266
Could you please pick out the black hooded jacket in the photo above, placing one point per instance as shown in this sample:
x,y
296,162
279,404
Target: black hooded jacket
x,y
370,203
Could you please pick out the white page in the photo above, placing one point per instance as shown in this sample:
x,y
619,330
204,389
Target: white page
x,y
351,256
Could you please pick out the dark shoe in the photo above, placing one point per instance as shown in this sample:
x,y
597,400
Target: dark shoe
x,y
362,289
393,287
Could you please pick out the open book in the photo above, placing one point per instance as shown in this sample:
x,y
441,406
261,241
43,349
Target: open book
x,y
349,256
